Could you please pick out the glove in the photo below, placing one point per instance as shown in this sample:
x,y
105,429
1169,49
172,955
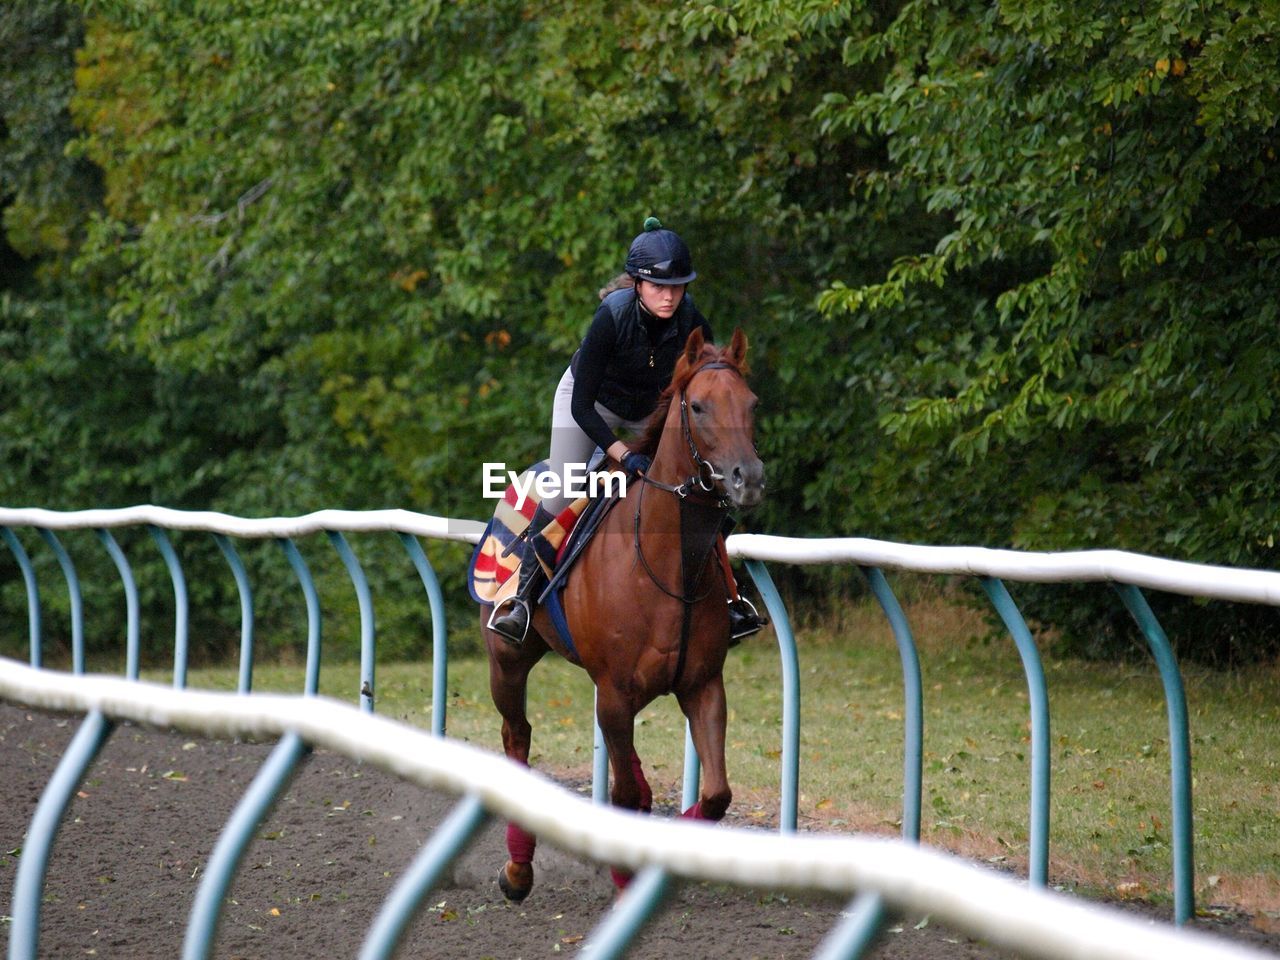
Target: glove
x,y
636,462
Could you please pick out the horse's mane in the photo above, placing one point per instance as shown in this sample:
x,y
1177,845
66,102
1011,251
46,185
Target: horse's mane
x,y
684,371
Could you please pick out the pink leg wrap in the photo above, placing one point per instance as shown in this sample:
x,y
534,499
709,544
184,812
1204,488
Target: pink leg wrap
x,y
520,844
621,878
694,812
646,792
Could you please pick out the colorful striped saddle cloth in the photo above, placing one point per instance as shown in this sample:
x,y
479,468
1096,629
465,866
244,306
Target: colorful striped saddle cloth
x,y
496,559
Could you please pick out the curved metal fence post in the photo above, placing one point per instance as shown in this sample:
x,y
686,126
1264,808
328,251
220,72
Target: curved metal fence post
x,y
1184,902
234,840
850,939
629,913
33,593
28,884
599,757
448,840
913,708
133,653
361,583
439,632
1038,871
311,685
790,694
692,771
181,615
246,611
77,602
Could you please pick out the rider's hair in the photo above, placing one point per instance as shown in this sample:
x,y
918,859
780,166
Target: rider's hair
x,y
622,281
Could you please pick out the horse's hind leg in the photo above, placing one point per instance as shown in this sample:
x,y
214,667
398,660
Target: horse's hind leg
x,y
705,710
509,668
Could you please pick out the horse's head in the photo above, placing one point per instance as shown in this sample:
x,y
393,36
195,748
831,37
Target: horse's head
x,y
706,422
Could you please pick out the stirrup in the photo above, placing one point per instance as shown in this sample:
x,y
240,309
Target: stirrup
x,y
746,623
502,625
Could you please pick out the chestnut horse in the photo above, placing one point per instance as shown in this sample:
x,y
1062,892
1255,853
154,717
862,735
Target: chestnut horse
x,y
646,601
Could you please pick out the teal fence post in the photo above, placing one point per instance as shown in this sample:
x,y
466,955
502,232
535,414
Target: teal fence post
x,y
28,885
73,593
181,617
439,632
790,693
1184,903
133,653
692,770
445,844
913,706
246,611
1038,844
365,600
33,593
620,925
599,758
234,840
856,931
311,682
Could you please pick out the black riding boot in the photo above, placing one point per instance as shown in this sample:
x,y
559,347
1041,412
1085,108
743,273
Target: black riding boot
x,y
511,617
743,620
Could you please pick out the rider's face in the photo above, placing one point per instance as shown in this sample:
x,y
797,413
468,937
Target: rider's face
x,y
660,299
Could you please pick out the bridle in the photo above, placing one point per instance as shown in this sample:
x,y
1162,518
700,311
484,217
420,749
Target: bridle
x,y
705,474
696,546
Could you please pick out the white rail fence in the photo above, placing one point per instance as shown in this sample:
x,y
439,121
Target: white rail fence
x,y
879,869
1032,922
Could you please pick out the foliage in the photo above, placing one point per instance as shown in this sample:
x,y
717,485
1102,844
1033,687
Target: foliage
x,y
1106,173
1007,269
1106,176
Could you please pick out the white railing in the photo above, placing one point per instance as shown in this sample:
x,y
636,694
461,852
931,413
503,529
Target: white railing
x,y
1077,566
977,901
1128,572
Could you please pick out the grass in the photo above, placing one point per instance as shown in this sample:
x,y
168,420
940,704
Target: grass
x,y
1110,812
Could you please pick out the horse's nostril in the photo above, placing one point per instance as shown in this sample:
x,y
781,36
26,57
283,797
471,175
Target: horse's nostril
x,y
738,479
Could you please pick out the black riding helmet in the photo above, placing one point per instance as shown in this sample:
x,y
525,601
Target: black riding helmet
x,y
659,256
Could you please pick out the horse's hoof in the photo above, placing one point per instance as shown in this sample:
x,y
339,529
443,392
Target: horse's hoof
x,y
515,880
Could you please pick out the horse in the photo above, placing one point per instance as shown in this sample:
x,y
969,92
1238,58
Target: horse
x,y
645,602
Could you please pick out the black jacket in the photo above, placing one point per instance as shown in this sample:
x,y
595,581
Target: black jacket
x,y
626,359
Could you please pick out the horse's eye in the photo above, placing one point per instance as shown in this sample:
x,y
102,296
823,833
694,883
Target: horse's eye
x,y
695,406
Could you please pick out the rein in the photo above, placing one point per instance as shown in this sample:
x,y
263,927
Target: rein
x,y
695,545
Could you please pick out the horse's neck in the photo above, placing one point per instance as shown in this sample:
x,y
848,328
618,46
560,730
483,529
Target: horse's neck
x,y
672,463
693,522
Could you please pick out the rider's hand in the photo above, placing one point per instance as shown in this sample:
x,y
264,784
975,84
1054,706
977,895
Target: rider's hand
x,y
636,463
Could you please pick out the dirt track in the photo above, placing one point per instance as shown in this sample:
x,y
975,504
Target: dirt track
x,y
133,845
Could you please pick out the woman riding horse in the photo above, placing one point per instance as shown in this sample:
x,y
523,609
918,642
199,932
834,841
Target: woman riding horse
x,y
612,383
643,610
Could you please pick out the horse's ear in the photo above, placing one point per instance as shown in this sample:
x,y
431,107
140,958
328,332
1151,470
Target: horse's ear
x,y
737,352
693,346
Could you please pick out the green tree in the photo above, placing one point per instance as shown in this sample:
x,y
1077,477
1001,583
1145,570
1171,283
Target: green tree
x,y
1102,283
1006,269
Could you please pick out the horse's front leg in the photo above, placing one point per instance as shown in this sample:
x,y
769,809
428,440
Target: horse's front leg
x,y
617,718
706,711
629,790
508,683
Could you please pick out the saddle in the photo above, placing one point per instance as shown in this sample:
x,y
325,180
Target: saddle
x,y
495,565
